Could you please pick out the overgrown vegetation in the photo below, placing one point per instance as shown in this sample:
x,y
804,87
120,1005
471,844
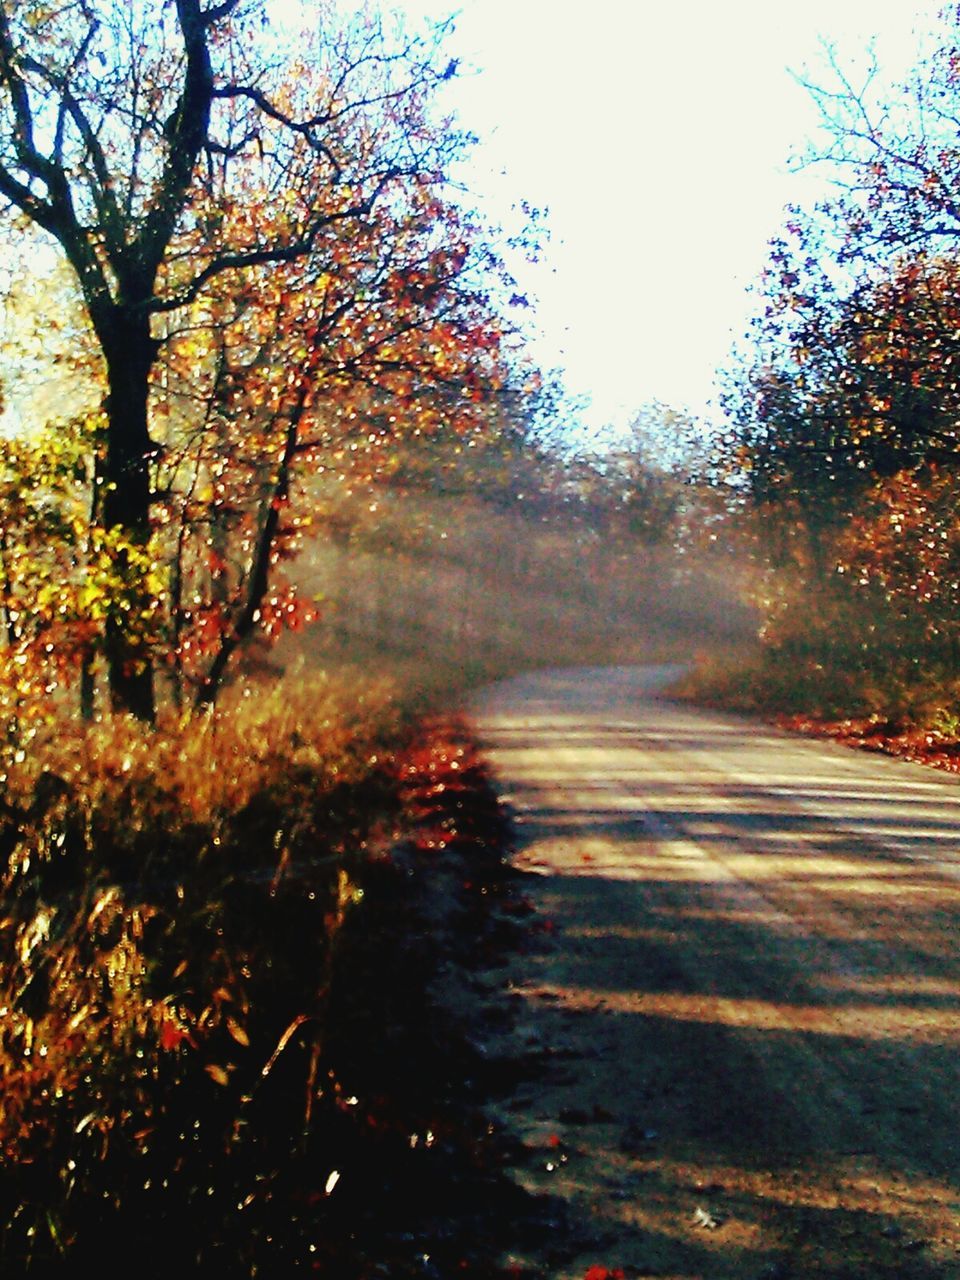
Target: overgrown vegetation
x,y
218,1046
172,901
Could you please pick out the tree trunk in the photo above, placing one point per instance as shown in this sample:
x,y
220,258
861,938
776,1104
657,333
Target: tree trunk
x,y
126,506
258,582
88,681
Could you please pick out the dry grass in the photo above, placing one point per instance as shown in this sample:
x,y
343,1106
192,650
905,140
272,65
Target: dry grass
x,y
903,687
202,768
171,900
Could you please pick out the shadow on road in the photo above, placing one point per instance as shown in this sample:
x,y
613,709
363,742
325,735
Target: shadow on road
x,y
744,1003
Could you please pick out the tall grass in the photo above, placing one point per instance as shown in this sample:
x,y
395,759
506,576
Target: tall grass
x,y
171,902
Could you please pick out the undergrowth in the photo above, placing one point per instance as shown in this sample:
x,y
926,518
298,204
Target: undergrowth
x,y
903,687
172,900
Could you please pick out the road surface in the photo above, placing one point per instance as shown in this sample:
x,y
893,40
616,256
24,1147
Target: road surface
x,y
745,1017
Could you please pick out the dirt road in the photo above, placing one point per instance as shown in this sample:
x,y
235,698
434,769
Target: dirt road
x,y
744,1014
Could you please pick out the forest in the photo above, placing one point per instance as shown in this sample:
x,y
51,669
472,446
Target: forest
x,y
279,480
841,431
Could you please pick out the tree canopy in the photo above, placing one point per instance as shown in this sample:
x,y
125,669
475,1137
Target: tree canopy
x,y
844,409
272,265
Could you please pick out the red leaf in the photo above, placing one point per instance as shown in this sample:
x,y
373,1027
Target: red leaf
x,y
172,1034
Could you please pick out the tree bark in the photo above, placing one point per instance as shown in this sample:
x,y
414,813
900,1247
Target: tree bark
x,y
126,502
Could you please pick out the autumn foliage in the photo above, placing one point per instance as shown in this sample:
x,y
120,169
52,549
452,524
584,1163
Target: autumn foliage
x,y
843,450
272,270
267,283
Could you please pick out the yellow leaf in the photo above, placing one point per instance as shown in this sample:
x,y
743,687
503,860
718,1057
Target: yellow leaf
x,y
238,1033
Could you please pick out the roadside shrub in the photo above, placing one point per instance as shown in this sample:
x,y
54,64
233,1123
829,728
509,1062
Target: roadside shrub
x,y
171,904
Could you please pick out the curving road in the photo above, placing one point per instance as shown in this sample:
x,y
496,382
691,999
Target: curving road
x,y
746,1011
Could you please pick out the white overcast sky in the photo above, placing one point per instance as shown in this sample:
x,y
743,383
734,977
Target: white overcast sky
x,y
659,136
